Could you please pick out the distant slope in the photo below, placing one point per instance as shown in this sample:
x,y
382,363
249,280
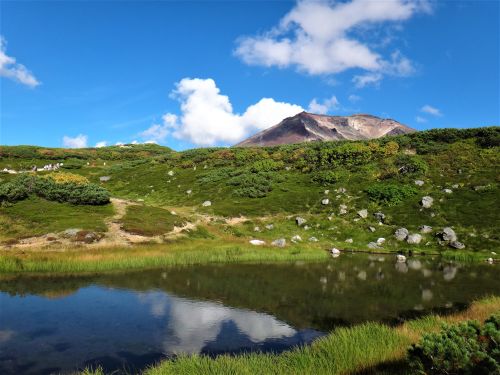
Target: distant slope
x,y
306,127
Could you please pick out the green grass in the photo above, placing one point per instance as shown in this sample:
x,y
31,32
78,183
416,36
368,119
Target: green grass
x,y
37,216
149,221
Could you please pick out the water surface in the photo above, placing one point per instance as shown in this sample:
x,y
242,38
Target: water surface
x,y
127,321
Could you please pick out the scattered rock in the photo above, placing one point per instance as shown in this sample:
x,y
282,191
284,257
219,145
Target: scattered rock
x,y
427,202
419,182
447,191
457,245
373,245
447,234
414,239
490,260
256,229
342,209
327,192
401,234
206,204
257,242
325,201
379,216
334,251
281,242
307,227
296,238
91,237
425,229
400,258
300,221
456,186
313,239
341,190
363,213
269,226
188,192
349,240
371,229
72,232
170,173
104,178
380,241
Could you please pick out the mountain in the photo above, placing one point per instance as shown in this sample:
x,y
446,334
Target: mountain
x,y
306,127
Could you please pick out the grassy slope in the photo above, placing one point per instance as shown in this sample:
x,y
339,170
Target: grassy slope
x,y
149,221
37,216
140,174
369,348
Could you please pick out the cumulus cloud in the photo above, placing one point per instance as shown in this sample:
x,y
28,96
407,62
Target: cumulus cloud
x,y
9,68
207,116
322,37
367,79
324,106
354,98
431,110
80,141
101,144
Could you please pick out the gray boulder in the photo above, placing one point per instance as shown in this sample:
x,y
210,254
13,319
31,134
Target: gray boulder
x,y
401,234
325,201
300,221
414,239
457,245
448,234
427,202
419,182
373,245
296,238
269,226
379,216
206,204
104,178
342,209
281,242
313,239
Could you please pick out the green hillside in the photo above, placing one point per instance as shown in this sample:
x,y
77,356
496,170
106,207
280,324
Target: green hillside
x,y
459,170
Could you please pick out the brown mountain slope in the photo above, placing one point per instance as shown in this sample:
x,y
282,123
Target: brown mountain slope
x,y
306,127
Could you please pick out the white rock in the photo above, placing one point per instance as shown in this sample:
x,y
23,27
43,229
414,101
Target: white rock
x,y
325,201
400,258
256,229
490,260
419,182
170,173
296,238
349,240
401,234
327,192
281,242
206,204
425,229
414,239
257,242
335,251
447,191
313,239
427,202
380,241
363,213
269,226
188,192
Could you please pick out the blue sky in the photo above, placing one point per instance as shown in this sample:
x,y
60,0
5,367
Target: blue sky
x,y
191,74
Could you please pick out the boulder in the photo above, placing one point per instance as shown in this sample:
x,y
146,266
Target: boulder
x,y
104,178
170,173
281,242
363,213
380,241
256,229
427,202
373,245
414,239
425,229
325,201
401,234
419,182
371,229
257,242
269,226
447,191
349,240
457,245
90,237
379,216
334,251
296,238
72,232
313,239
188,192
300,221
342,209
447,234
206,204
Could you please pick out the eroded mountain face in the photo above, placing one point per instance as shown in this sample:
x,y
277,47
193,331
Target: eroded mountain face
x,y
306,127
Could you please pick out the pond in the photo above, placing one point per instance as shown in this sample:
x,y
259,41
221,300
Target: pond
x,y
128,321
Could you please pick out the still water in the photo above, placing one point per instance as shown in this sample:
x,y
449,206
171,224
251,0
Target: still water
x,y
128,321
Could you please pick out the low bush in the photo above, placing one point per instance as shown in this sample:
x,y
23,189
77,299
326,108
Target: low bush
x,y
326,177
266,165
465,348
254,185
411,164
390,194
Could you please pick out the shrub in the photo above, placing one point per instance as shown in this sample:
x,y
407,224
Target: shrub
x,y
326,177
266,165
390,194
66,178
411,164
465,348
254,185
13,192
73,164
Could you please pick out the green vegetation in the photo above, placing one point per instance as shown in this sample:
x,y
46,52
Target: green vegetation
x,y
36,216
464,348
390,194
149,221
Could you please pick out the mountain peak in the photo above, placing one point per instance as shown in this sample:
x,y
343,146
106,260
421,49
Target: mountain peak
x,y
307,127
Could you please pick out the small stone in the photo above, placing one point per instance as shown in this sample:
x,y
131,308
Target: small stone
x,y
313,239
425,229
414,239
104,178
281,242
206,204
380,241
371,229
448,234
490,260
334,251
447,191
296,238
363,213
456,186
257,242
379,216
269,226
400,258
307,227
300,221
427,202
256,229
349,240
419,182
341,190
170,173
327,192
401,234
457,245
342,209
325,201
373,245
188,192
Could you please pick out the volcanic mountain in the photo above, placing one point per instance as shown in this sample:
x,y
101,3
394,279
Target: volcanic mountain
x,y
306,127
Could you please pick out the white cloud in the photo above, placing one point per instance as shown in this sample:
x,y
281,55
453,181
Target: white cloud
x,y
431,110
420,120
9,68
354,98
101,144
207,116
324,106
317,37
80,141
367,79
